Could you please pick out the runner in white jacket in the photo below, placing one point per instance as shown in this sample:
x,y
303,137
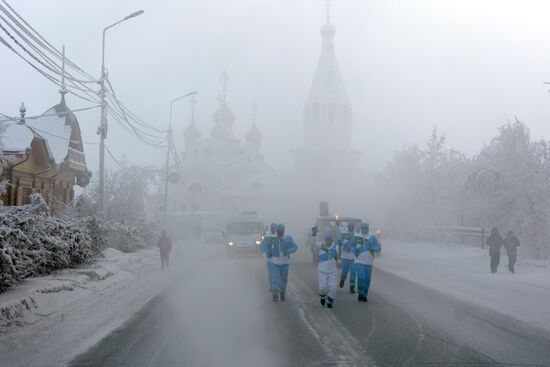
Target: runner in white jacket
x,y
326,268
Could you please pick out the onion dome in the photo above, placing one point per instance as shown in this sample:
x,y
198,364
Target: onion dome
x,y
254,136
224,119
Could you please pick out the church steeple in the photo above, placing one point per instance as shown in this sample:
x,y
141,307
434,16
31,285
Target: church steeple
x,y
327,111
223,117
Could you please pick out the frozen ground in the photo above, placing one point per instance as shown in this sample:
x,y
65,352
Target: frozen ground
x,y
463,272
45,321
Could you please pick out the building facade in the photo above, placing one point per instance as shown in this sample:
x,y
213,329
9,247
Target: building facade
x,y
43,155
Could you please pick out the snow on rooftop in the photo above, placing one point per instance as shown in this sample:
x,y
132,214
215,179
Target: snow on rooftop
x,y
57,133
16,138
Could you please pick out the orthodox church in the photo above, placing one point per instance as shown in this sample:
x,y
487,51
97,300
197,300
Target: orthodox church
x,y
221,172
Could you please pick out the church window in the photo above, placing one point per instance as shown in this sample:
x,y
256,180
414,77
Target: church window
x,y
316,113
332,111
347,114
331,85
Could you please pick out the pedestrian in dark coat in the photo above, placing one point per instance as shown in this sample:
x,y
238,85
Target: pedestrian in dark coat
x,y
511,243
165,246
495,242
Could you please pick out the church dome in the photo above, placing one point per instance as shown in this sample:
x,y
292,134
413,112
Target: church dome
x,y
224,115
254,136
224,119
192,132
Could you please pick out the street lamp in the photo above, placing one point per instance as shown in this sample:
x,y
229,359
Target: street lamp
x,y
169,147
102,130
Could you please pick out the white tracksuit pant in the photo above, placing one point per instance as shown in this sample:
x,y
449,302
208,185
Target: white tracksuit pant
x,y
328,278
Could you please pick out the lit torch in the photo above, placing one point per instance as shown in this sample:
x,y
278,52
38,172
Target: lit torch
x,y
338,232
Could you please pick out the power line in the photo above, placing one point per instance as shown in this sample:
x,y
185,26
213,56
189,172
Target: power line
x,y
113,157
62,113
54,79
41,41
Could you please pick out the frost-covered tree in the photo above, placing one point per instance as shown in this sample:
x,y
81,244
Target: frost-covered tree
x,y
504,186
425,187
511,185
125,192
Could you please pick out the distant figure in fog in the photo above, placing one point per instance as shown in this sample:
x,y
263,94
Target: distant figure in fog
x,y
165,246
278,253
511,243
495,242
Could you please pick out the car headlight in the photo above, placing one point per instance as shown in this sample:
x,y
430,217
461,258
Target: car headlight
x,y
258,242
231,243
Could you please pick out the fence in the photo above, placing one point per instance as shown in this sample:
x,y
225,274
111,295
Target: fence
x,y
463,233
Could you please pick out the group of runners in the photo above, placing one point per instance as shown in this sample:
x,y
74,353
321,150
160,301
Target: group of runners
x,y
356,248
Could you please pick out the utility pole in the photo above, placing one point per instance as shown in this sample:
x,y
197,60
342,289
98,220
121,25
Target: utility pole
x,y
102,129
169,142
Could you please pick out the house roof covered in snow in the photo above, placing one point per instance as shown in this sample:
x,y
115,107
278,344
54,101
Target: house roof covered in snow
x,y
17,138
58,127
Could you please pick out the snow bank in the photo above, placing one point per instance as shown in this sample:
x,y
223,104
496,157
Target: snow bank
x,y
74,309
463,272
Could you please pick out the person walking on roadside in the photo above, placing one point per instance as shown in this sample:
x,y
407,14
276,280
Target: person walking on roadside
x,y
165,246
495,242
348,258
327,270
366,245
511,243
278,258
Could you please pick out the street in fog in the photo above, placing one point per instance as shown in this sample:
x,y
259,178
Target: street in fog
x,y
220,313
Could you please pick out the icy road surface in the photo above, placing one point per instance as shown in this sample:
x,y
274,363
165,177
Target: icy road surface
x,y
219,313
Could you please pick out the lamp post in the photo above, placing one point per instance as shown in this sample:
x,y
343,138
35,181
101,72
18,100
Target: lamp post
x,y
168,150
102,129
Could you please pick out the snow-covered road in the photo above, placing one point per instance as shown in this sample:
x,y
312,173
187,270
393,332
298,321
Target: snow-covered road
x,y
219,313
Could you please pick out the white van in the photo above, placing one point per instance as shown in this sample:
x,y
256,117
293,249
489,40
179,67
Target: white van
x,y
244,234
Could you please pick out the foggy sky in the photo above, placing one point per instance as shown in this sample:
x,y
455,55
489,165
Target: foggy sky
x,y
465,66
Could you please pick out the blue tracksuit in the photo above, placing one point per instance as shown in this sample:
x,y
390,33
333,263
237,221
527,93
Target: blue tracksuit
x,y
348,259
278,250
365,247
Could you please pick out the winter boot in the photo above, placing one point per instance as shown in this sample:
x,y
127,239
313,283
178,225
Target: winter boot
x,y
323,300
365,299
275,297
330,302
342,281
282,296
360,298
352,289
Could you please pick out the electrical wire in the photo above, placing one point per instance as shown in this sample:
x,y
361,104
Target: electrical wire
x,y
112,156
41,41
62,113
52,68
